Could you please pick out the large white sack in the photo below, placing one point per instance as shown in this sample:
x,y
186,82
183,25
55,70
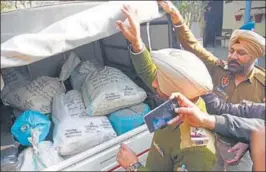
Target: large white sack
x,y
73,31
78,70
181,71
34,95
75,131
109,90
47,156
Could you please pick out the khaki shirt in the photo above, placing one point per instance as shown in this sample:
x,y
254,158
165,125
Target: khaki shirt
x,y
252,89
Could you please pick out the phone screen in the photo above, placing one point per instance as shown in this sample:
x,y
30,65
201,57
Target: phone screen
x,y
158,118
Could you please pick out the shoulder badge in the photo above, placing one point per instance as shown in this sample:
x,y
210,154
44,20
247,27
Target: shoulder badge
x,y
224,81
260,75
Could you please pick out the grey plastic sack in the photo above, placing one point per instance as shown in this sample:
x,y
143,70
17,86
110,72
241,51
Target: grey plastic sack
x,y
35,95
109,90
78,70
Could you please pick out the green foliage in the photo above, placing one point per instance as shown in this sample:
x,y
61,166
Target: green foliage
x,y
192,11
5,5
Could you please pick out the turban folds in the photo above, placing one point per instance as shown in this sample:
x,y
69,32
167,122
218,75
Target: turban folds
x,y
252,42
181,71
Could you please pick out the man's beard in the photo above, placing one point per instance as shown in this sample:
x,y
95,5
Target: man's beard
x,y
235,67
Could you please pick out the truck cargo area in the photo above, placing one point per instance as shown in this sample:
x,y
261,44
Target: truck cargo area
x,y
111,51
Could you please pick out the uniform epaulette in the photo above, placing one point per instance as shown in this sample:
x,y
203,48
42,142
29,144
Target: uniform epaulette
x,y
260,74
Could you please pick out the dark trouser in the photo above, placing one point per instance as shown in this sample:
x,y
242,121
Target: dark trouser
x,y
244,164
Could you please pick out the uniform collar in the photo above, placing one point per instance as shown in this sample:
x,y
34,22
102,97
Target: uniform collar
x,y
251,75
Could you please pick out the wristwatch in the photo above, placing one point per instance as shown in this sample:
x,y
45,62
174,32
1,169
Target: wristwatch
x,y
134,167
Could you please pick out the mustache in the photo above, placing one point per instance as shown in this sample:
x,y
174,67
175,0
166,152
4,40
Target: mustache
x,y
233,62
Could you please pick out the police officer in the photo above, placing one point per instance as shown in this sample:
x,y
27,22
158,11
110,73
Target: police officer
x,y
172,148
236,80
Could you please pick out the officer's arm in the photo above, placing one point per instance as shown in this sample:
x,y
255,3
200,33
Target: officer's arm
x,y
190,43
247,110
144,66
237,127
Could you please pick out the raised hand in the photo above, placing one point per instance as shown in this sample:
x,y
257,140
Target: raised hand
x,y
131,32
169,8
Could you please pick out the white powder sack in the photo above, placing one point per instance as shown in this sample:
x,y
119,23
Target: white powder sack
x,y
75,131
109,90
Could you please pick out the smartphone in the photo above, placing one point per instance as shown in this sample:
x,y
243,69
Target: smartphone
x,y
158,117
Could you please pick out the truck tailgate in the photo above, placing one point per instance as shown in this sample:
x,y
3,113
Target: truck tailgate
x,y
103,157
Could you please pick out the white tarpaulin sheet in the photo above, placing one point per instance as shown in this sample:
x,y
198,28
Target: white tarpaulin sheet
x,y
76,30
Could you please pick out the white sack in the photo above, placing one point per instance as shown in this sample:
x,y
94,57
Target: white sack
x,y
35,95
181,71
75,131
47,156
71,32
110,90
77,70
2,82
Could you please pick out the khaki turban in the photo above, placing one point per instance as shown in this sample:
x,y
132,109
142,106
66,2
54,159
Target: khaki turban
x,y
252,42
181,71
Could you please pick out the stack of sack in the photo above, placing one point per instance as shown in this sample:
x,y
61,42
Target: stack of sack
x,y
103,104
81,115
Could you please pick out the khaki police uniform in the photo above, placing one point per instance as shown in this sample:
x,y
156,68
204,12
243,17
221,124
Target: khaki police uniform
x,y
252,89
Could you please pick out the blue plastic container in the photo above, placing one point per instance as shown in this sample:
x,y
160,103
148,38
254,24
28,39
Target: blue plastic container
x,y
28,120
127,119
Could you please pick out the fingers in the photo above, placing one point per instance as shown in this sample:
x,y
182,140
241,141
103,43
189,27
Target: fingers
x,y
239,149
125,31
234,148
124,146
177,120
182,100
184,110
129,14
233,161
121,152
162,3
175,95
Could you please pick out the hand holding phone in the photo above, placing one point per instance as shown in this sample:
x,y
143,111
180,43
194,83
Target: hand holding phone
x,y
158,117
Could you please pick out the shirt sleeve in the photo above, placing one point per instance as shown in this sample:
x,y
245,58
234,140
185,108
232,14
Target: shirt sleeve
x,y
144,66
247,110
237,127
191,44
